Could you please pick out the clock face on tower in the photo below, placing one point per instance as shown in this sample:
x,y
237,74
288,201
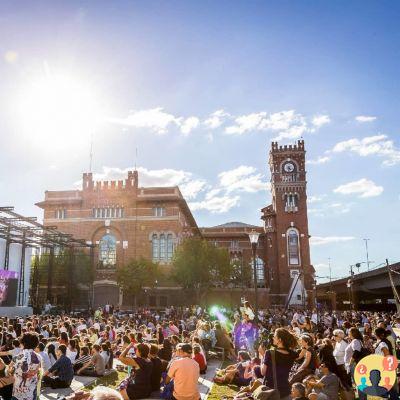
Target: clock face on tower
x,y
288,167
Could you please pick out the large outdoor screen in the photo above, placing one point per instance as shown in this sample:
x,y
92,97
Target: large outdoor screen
x,y
8,288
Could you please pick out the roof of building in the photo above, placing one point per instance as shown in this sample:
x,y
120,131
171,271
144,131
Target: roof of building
x,y
235,225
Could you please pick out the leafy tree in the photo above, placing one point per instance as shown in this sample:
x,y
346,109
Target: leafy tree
x,y
242,273
197,264
70,271
135,275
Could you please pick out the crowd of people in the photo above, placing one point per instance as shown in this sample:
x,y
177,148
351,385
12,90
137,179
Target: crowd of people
x,y
295,354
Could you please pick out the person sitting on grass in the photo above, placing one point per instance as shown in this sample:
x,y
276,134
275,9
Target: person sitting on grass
x,y
140,387
83,359
60,375
326,388
157,368
184,372
235,373
96,365
199,358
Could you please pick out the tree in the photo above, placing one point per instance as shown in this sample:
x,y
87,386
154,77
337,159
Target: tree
x,y
135,275
71,271
199,265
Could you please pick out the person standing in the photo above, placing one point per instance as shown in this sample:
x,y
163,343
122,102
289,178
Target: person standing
x,y
284,356
26,369
185,372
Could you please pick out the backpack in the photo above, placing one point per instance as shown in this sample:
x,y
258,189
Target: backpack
x,y
360,354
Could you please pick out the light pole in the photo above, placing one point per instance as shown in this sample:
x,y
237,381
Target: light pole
x,y
253,236
315,298
349,287
366,249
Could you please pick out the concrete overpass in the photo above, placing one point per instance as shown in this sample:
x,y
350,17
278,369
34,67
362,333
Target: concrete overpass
x,y
368,290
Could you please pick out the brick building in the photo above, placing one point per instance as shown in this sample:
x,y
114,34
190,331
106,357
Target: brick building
x,y
125,221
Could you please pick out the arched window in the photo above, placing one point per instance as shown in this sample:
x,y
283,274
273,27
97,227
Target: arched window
x,y
108,251
155,247
170,247
162,247
293,247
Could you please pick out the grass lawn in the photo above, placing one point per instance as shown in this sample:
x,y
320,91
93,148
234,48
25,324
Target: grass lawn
x,y
111,380
219,392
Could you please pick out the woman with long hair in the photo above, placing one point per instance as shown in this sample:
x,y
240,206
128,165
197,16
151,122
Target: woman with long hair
x,y
308,357
51,351
284,354
383,347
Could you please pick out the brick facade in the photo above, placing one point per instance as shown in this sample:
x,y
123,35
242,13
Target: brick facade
x,y
133,216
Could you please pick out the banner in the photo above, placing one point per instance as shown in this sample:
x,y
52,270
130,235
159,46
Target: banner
x,y
8,288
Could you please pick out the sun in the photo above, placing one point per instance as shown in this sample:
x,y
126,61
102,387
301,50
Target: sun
x,y
56,108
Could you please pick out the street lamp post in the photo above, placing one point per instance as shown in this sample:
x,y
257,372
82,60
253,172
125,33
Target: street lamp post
x,y
349,287
253,236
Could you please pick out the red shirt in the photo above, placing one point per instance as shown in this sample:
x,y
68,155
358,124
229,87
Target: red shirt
x,y
200,360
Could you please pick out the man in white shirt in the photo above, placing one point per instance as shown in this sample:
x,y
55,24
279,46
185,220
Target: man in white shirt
x,y
185,372
81,326
314,317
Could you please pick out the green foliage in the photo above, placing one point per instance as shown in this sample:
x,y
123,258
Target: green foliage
x,y
242,273
136,274
74,268
198,264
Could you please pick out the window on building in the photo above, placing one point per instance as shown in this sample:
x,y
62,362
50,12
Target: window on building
x,y
170,246
159,211
234,244
162,246
291,201
260,272
108,212
108,251
61,213
155,247
293,247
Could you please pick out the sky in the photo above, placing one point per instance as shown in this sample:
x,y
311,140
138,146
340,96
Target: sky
x,y
194,93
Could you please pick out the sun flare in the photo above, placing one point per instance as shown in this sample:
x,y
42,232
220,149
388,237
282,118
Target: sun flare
x,y
56,108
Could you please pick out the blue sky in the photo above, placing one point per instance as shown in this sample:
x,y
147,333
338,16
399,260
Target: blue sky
x,y
201,89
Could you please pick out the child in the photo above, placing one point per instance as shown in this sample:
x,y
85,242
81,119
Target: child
x,y
197,356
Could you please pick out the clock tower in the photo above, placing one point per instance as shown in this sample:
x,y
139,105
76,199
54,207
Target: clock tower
x,y
286,227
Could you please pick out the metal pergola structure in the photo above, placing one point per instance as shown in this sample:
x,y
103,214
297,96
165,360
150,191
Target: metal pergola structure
x,y
26,231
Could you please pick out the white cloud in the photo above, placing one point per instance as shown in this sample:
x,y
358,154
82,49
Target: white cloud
x,y
320,240
216,204
315,199
365,118
320,120
246,123
216,119
212,193
158,121
154,119
288,124
191,189
319,160
378,145
363,187
243,178
189,124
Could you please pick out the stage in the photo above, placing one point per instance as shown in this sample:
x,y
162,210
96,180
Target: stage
x,y
13,312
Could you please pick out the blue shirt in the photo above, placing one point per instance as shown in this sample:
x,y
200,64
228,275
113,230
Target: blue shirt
x,y
63,369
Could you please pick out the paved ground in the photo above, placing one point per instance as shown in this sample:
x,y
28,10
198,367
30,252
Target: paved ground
x,y
79,382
